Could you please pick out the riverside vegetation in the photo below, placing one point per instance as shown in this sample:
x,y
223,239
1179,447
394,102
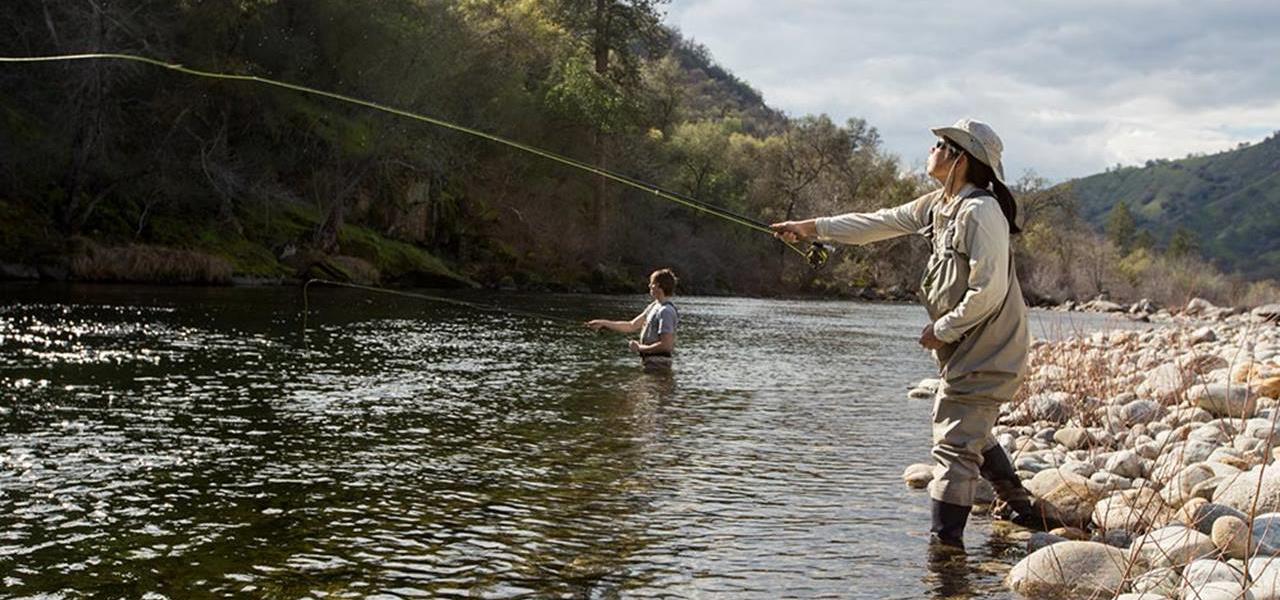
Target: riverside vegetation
x,y
1157,449
120,172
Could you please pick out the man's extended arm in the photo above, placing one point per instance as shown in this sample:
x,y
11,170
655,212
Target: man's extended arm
x,y
632,326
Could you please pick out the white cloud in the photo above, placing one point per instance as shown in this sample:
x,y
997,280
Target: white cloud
x,y
1073,87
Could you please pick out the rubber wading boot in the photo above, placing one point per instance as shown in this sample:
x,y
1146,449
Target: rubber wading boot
x,y
948,523
1013,501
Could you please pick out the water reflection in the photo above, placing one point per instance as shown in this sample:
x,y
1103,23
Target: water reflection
x,y
188,442
949,570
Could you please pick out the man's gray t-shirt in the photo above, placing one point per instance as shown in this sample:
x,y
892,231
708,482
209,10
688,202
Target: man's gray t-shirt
x,y
659,318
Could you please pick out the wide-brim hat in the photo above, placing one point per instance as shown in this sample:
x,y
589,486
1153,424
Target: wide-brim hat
x,y
979,139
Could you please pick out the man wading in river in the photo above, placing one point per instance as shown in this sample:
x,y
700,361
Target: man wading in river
x,y
978,332
656,324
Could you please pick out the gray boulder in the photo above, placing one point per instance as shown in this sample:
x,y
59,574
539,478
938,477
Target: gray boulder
x,y
1267,312
1179,488
1070,570
918,476
1040,539
1125,463
1140,412
1198,306
1172,546
1053,407
1178,455
1217,590
1162,582
1239,492
1205,571
1065,496
1073,438
1223,400
1266,535
1136,510
1209,513
1262,429
1164,381
1203,335
1265,575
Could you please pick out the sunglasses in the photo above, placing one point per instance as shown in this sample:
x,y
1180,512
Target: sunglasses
x,y
945,145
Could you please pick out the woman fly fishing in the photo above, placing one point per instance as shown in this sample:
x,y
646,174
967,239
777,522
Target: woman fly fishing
x,y
978,330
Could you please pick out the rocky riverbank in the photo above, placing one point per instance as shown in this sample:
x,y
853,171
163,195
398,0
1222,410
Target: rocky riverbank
x,y
1157,448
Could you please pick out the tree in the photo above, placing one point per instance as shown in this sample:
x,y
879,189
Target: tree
x,y
1120,227
612,31
1183,243
1144,240
702,151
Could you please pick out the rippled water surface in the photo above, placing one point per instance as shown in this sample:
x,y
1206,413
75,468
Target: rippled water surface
x,y
192,442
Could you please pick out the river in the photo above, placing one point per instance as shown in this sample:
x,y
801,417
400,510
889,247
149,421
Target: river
x,y
193,442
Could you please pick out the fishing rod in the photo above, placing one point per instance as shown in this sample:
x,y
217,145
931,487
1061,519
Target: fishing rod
x,y
816,254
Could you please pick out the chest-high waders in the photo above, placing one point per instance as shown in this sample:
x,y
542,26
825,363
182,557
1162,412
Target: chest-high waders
x,y
967,404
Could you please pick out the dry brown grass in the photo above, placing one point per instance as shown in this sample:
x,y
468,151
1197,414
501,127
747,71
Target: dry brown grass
x,y
1095,369
148,264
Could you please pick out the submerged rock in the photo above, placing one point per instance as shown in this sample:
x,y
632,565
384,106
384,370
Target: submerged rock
x,y
1041,539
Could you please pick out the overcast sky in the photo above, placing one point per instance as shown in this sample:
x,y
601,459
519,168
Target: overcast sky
x,y
1071,86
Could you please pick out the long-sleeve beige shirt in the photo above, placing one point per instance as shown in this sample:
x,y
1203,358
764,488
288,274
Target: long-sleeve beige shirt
x,y
988,325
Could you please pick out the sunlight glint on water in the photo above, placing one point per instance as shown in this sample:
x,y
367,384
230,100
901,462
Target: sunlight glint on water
x,y
179,441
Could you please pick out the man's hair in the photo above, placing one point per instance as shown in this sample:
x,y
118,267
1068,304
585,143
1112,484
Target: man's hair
x,y
665,280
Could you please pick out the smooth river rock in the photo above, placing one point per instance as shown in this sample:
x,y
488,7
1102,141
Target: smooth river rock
x,y
1231,536
1172,546
1135,510
1065,496
1178,490
1222,399
1212,579
1070,570
918,476
1238,492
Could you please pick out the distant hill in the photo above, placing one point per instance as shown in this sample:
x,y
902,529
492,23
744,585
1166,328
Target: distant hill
x,y
1230,200
714,92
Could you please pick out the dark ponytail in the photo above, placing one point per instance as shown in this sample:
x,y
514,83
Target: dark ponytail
x,y
982,176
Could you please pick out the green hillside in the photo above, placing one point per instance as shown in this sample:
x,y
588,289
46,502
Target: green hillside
x,y
1230,201
113,171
